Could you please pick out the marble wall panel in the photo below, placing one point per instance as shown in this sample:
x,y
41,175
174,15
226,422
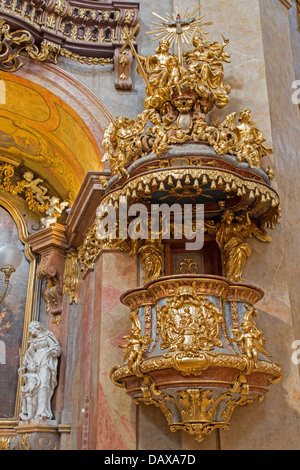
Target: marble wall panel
x,y
103,416
117,420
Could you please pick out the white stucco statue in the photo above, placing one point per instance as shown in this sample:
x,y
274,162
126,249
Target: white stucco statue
x,y
54,211
39,373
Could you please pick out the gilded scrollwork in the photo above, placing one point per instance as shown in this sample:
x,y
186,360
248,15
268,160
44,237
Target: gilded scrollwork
x,y
195,410
151,253
12,44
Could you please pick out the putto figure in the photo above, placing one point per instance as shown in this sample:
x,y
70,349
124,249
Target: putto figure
x,y
38,191
39,373
231,235
54,211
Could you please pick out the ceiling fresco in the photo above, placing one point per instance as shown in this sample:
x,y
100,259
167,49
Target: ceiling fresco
x,y
41,132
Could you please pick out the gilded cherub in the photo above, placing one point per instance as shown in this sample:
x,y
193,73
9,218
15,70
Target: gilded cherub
x,y
251,338
122,142
39,192
231,234
136,345
160,134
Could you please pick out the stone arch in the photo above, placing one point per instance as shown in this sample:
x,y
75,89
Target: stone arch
x,y
53,125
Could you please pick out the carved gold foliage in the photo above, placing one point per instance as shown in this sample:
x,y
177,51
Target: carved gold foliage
x,y
151,258
5,442
188,266
195,410
84,59
24,444
196,404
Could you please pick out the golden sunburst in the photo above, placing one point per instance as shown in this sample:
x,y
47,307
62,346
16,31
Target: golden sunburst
x,y
179,29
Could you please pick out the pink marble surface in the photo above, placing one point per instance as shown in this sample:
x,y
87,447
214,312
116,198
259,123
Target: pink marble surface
x,y
105,416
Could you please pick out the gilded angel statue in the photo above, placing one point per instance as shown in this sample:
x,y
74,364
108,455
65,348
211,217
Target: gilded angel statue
x,y
242,139
250,147
122,142
136,345
251,338
231,234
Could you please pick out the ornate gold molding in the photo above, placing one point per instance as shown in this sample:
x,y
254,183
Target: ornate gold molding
x,y
15,42
87,33
5,442
71,276
194,351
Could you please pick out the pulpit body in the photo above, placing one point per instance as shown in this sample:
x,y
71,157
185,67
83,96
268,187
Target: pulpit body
x,y
194,349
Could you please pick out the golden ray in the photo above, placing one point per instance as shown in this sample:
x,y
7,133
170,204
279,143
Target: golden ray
x,y
194,11
179,29
184,13
158,16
